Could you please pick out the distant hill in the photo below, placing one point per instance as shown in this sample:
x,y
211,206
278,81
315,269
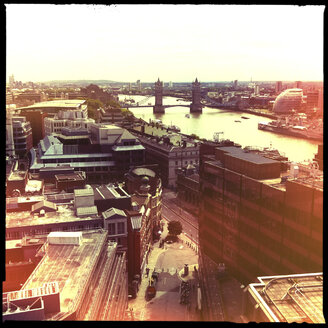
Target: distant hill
x,y
80,82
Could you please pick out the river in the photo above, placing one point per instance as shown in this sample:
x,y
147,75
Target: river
x,y
214,120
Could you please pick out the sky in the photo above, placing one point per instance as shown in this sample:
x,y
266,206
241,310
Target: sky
x,y
177,43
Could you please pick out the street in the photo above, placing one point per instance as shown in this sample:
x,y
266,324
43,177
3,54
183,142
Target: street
x,y
171,211
169,263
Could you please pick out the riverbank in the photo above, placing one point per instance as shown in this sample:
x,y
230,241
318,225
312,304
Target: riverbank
x,y
258,112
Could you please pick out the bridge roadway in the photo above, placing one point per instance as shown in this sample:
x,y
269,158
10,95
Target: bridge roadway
x,y
164,106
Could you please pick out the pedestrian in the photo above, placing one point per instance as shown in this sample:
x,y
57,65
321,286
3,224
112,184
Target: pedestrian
x,y
147,272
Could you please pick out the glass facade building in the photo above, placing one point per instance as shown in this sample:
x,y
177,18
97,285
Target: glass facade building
x,y
288,100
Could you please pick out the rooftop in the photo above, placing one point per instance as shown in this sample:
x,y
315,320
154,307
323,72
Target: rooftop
x,y
109,192
291,298
62,103
113,212
247,156
70,266
64,213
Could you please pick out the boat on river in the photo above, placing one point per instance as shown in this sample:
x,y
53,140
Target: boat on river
x,y
297,131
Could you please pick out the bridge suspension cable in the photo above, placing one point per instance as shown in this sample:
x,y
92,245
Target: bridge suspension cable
x,y
142,101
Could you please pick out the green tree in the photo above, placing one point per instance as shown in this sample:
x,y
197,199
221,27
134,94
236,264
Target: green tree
x,y
93,105
174,228
113,103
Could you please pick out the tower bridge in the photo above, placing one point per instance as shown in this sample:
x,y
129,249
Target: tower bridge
x,y
195,105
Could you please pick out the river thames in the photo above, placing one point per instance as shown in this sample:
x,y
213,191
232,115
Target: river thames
x,y
235,128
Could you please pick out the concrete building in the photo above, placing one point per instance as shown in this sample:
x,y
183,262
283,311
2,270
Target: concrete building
x,y
294,298
75,281
73,119
257,218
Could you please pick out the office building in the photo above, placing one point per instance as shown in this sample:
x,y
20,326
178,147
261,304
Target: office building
x,y
312,100
110,154
258,218
288,101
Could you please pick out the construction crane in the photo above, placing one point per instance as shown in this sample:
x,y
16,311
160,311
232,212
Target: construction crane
x,y
216,136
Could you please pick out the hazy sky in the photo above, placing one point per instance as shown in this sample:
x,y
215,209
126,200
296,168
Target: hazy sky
x,y
171,42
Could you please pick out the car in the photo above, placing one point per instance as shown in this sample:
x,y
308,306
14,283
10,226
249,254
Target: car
x,y
155,276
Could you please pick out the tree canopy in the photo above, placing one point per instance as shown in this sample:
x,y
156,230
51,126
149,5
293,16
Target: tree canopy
x,y
174,228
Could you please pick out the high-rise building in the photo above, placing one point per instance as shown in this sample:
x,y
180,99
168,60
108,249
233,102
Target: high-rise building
x,y
298,84
312,99
278,87
138,85
11,81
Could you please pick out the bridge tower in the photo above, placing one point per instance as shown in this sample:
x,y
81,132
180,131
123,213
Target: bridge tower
x,y
158,108
196,106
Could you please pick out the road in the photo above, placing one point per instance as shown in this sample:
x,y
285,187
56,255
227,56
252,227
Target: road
x,y
171,211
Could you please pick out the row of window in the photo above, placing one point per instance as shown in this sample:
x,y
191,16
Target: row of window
x,y
76,160
44,231
116,228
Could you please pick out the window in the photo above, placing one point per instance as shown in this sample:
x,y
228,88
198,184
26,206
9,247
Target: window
x,y
120,227
111,229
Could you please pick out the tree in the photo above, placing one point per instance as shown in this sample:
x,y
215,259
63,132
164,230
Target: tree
x,y
174,228
93,105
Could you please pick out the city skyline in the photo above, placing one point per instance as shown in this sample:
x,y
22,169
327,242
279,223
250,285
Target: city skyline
x,y
173,42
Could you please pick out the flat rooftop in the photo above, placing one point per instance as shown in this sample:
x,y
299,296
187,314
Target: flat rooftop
x,y
70,266
108,192
62,103
64,213
246,156
292,298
